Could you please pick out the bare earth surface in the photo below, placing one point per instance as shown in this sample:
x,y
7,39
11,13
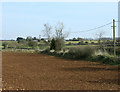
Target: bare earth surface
x,y
32,71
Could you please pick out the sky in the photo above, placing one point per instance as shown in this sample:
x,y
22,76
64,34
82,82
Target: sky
x,y
22,19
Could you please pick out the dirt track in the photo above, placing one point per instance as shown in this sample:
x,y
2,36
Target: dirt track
x,y
41,72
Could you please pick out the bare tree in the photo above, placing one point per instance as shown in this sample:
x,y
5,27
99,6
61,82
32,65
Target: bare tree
x,y
100,35
47,31
59,36
59,29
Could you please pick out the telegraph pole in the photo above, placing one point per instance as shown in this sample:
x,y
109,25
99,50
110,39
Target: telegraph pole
x,y
114,36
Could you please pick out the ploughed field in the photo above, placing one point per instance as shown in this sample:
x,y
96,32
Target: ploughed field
x,y
32,71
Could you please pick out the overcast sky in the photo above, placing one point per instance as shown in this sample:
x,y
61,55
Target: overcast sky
x,y
27,19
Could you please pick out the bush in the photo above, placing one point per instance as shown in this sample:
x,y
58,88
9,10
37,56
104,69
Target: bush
x,y
59,44
32,44
107,59
5,45
80,52
118,51
52,44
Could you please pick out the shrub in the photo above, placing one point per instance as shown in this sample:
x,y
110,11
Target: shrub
x,y
52,44
80,52
5,45
118,51
107,59
32,44
59,44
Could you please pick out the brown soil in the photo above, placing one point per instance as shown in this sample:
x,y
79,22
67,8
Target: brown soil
x,y
32,71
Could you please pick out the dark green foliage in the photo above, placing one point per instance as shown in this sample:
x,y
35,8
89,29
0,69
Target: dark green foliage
x,y
110,50
86,42
106,59
5,45
38,40
118,51
34,38
29,38
52,44
19,39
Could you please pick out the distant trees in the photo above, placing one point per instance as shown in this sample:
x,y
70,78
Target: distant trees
x,y
28,42
80,39
100,36
29,38
34,38
47,31
75,39
100,39
19,39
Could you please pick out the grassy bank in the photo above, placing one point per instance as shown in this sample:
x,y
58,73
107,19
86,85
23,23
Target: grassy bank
x,y
85,53
75,53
